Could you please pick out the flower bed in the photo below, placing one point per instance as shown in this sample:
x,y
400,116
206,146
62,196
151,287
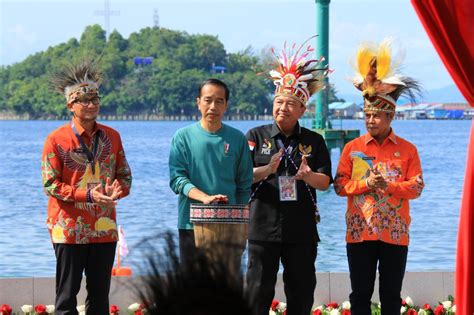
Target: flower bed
x,y
408,308
41,309
277,308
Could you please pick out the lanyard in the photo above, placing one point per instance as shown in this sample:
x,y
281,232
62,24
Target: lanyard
x,y
287,156
90,155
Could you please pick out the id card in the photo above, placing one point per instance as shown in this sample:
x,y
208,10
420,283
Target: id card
x,y
287,187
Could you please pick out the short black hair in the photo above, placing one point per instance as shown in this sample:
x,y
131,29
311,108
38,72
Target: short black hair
x,y
217,82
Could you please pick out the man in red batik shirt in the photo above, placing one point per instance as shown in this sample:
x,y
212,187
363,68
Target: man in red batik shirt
x,y
84,172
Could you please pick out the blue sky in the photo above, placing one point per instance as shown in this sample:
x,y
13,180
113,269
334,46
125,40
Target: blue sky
x,y
27,27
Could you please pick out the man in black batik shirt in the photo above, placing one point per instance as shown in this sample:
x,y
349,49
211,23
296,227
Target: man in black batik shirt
x,y
290,163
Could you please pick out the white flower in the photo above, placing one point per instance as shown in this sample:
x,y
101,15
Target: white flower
x,y
447,304
134,307
320,307
422,312
271,312
281,306
453,309
409,301
50,309
81,309
346,305
27,308
403,309
334,311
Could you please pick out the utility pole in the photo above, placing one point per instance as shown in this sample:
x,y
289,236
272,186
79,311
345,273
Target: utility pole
x,y
335,138
156,19
322,49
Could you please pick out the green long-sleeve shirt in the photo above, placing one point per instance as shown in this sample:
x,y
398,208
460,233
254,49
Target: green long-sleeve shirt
x,y
215,163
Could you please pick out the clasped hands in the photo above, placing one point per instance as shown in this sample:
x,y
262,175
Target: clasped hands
x,y
303,171
106,196
376,181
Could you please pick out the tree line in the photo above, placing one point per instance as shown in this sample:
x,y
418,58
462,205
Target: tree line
x,y
166,86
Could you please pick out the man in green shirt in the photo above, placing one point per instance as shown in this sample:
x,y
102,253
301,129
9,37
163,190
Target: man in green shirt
x,y
209,161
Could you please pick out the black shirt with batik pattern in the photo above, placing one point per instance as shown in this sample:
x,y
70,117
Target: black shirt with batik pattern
x,y
273,220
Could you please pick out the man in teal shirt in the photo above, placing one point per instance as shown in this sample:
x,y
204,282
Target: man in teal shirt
x,y
209,161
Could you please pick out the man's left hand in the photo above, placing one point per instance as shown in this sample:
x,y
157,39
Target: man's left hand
x,y
304,171
113,190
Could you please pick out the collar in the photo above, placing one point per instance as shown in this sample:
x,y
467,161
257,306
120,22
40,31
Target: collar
x,y
392,137
81,129
276,131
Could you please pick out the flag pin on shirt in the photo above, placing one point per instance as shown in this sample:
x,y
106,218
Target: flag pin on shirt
x,y
226,148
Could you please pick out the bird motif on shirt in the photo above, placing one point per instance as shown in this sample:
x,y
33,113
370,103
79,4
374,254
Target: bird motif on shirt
x,y
361,165
76,160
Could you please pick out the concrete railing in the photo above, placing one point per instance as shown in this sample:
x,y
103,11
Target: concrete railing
x,y
422,287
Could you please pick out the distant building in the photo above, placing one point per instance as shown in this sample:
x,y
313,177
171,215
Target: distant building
x,y
344,109
432,111
218,69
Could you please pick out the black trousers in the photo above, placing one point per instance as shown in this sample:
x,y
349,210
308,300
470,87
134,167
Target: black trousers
x,y
96,260
363,258
299,276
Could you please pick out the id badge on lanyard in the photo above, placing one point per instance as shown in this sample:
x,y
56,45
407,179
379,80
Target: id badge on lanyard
x,y
287,188
286,183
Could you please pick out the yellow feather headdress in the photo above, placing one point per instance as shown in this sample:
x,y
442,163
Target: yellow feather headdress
x,y
379,79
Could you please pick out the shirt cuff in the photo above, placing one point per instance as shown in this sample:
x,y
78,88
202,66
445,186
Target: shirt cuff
x,y
391,187
363,185
80,195
187,188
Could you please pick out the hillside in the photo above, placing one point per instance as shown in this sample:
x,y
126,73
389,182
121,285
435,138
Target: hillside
x,y
167,86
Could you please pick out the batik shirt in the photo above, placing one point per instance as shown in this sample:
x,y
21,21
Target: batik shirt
x,y
67,176
375,214
273,220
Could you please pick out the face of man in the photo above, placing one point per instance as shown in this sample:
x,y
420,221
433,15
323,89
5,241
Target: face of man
x,y
287,111
85,108
212,103
378,124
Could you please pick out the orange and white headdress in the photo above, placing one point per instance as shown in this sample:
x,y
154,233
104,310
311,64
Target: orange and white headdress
x,y
378,77
77,80
296,75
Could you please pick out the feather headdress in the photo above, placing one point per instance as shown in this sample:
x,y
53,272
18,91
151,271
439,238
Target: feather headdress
x,y
378,77
295,74
77,80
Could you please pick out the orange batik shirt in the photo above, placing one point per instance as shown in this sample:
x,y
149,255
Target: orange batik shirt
x,y
375,214
67,176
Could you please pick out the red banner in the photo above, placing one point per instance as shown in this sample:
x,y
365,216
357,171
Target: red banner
x,y
450,26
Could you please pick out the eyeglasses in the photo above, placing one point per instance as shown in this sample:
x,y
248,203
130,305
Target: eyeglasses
x,y
85,101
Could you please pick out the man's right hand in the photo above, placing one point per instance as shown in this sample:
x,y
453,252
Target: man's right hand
x,y
215,199
376,180
275,161
100,199
262,172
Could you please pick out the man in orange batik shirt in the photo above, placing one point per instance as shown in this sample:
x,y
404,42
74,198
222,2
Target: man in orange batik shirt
x,y
84,173
378,172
